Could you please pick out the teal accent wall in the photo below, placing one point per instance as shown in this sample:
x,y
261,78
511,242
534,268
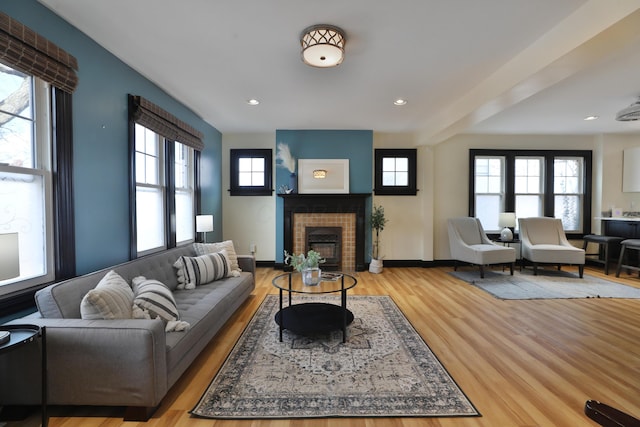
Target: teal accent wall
x,y
100,140
355,145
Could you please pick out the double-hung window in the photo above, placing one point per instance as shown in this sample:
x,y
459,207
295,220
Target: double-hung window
x,y
165,157
25,176
150,190
37,79
531,183
184,172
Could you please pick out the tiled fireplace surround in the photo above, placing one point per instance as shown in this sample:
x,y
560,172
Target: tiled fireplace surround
x,y
346,211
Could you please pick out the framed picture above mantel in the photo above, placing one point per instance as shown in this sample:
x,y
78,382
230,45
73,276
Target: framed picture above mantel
x,y
323,176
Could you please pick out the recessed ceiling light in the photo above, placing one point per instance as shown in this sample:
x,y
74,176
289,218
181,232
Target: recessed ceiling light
x,y
253,101
591,118
400,101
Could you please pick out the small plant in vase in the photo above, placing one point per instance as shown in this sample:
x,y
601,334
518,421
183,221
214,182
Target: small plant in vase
x,y
378,221
308,265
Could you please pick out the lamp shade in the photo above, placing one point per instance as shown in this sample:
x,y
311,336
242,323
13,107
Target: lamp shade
x,y
507,219
9,256
204,223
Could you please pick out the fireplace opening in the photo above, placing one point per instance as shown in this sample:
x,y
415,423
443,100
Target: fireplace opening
x,y
327,241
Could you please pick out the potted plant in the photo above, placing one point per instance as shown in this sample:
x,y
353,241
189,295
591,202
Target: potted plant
x,y
308,265
378,222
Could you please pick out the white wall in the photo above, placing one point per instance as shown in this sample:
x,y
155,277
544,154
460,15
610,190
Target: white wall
x,y
612,160
248,219
409,224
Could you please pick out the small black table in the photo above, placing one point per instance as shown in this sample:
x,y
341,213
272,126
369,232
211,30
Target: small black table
x,y
22,335
314,317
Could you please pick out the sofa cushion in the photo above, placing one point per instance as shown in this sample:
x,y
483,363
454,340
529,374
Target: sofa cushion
x,y
227,245
112,298
154,300
195,271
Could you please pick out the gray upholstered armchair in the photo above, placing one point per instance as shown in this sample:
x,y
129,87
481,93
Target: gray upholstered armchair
x,y
469,243
544,242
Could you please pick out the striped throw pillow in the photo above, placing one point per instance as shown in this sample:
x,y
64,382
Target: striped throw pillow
x,y
227,245
195,271
153,299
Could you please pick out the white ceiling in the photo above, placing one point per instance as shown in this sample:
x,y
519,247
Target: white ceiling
x,y
485,66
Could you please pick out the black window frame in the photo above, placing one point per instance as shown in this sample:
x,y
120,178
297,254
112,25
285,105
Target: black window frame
x,y
262,190
548,201
400,190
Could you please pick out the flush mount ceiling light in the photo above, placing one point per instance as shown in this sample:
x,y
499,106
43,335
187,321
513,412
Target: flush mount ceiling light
x,y
322,46
631,113
253,101
400,101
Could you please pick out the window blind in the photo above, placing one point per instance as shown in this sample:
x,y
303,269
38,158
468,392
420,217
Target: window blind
x,y
25,50
151,116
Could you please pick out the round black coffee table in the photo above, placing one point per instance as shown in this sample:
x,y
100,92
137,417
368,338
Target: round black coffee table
x,y
314,317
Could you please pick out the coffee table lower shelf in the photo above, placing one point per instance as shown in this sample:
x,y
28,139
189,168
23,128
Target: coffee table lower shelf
x,y
313,318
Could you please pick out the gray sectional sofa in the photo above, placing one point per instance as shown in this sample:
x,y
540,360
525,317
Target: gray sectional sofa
x,y
123,362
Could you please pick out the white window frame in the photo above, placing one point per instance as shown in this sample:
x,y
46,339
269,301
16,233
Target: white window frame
x,y
188,189
41,99
159,186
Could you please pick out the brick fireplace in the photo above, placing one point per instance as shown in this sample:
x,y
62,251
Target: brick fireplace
x,y
345,212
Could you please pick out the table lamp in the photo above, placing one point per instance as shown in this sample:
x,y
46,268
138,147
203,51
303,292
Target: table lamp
x,y
507,220
204,224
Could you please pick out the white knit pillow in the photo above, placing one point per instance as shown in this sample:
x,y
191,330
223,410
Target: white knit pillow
x,y
153,299
112,298
227,245
195,271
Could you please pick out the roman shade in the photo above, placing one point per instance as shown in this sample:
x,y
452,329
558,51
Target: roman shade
x,y
153,117
25,50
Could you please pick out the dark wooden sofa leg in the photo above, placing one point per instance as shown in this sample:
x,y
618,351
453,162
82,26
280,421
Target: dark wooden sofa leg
x,y
482,271
511,265
139,413
581,270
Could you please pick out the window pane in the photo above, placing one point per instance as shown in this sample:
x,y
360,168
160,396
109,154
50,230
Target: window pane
x,y
488,208
495,184
567,208
528,206
402,178
388,178
244,164
257,179
482,184
22,211
184,216
244,179
388,164
149,218
16,118
402,164
257,164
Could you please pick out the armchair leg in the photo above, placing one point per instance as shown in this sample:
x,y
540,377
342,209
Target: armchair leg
x,y
482,271
581,270
535,268
511,268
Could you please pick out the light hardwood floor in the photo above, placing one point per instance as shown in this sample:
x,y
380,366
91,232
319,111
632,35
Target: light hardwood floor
x,y
521,363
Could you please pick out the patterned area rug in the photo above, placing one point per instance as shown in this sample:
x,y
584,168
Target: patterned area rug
x,y
548,284
384,369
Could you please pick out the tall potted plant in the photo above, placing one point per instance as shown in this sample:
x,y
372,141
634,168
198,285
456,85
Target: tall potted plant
x,y
378,222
